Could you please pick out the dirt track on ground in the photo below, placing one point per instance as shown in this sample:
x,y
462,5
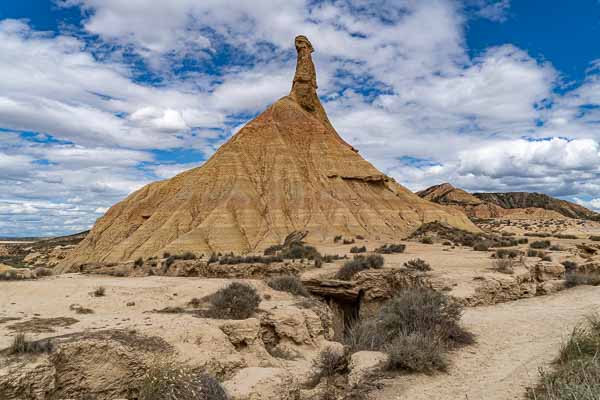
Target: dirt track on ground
x,y
514,339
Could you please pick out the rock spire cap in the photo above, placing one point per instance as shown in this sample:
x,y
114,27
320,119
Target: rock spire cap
x,y
304,86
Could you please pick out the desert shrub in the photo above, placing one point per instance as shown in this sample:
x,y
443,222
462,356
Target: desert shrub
x,y
213,258
80,309
171,258
195,302
360,237
481,246
417,353
508,234
338,238
356,249
569,265
522,241
547,258
364,335
503,265
555,247
318,262
42,271
447,243
537,234
595,238
564,236
426,312
9,275
418,264
167,381
359,263
575,373
139,262
327,258
415,328
234,260
536,253
348,241
391,248
507,253
540,244
297,251
21,345
236,301
576,278
328,363
99,291
272,250
288,283
427,240
166,254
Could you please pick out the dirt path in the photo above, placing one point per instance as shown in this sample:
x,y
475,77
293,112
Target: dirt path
x,y
514,339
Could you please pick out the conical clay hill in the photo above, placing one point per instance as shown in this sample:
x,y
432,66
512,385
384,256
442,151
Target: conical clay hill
x,y
287,170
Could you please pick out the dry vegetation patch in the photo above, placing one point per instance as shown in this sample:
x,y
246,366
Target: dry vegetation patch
x,y
416,328
575,374
41,325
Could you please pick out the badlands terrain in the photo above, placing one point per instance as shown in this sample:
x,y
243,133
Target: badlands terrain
x,y
287,267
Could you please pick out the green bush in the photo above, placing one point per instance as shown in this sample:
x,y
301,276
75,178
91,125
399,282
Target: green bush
x,y
236,301
288,283
358,264
595,238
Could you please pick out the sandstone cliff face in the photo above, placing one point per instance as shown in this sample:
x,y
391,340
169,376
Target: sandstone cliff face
x,y
286,170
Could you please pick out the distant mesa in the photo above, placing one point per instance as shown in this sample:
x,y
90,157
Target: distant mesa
x,y
287,170
514,204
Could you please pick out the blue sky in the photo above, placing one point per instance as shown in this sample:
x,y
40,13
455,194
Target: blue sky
x,y
99,97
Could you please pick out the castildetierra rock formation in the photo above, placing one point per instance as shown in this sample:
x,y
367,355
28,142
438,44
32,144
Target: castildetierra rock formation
x,y
286,170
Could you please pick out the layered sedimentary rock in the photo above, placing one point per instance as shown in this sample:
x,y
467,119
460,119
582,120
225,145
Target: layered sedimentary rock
x,y
512,200
286,170
512,205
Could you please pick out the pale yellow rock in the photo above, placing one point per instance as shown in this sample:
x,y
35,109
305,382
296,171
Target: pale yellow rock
x,y
244,331
263,384
286,170
363,364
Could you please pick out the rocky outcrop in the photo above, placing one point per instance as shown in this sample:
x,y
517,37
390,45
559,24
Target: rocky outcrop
x,y
511,205
287,170
512,200
449,195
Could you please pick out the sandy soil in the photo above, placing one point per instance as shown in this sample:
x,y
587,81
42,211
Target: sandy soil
x,y
514,339
52,298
